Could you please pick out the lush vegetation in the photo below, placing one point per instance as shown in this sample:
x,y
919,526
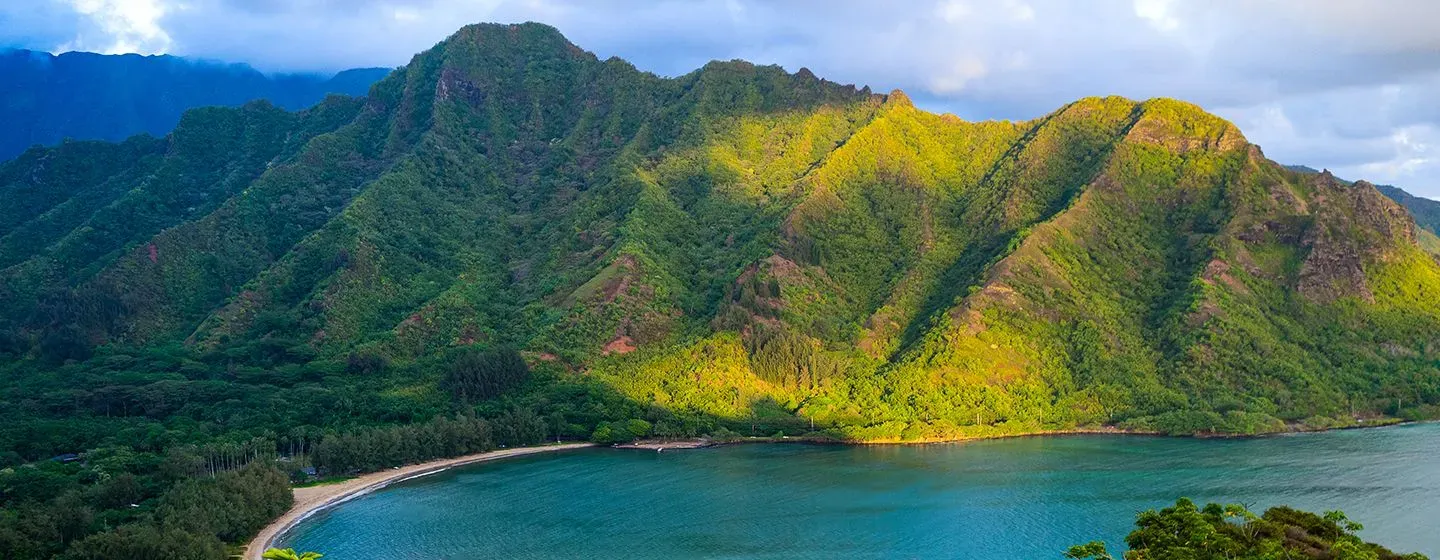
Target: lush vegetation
x,y
511,241
290,554
1232,532
50,510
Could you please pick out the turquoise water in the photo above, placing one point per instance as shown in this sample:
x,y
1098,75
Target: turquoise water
x,y
1002,499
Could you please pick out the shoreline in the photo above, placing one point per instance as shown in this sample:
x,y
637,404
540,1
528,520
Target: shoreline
x,y
314,499
705,443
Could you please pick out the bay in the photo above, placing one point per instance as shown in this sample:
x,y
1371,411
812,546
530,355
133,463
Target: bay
x,y
1001,499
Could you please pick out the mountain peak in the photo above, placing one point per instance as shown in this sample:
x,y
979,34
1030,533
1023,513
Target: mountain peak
x,y
482,45
1184,126
528,35
898,98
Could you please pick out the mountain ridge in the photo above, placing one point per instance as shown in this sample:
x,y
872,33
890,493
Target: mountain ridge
x,y
508,188
1426,211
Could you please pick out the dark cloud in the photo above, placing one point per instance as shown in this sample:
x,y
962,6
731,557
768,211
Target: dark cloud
x,y
1346,84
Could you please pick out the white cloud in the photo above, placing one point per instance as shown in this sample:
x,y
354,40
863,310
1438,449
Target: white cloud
x,y
963,71
952,11
1158,13
120,26
406,15
1414,153
1019,11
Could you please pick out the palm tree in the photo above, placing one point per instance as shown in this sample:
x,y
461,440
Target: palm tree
x,y
289,554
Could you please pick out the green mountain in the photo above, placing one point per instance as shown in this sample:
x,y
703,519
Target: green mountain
x,y
741,236
510,239
46,98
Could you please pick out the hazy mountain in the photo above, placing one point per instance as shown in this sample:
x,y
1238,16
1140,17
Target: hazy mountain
x,y
46,98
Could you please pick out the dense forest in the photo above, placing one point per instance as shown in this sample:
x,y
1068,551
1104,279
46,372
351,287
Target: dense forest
x,y
1232,532
509,240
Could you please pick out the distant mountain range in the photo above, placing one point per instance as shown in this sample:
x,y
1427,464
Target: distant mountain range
x,y
46,98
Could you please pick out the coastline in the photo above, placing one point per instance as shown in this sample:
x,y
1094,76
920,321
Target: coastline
x,y
1291,429
313,499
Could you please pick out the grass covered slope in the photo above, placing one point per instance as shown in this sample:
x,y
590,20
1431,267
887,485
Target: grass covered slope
x,y
736,242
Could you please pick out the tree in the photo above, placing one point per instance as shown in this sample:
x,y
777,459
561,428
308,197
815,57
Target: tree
x,y
68,342
289,554
1232,532
555,421
1093,550
637,427
146,542
477,376
366,363
519,426
232,505
603,434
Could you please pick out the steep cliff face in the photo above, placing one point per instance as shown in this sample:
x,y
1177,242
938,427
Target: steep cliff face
x,y
1354,226
740,237
1425,211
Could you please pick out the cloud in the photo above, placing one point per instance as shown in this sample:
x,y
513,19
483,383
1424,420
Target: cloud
x,y
120,26
952,11
1352,81
1388,134
966,69
1019,11
1157,13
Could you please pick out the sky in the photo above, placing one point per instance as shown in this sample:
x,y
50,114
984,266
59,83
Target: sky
x,y
1348,85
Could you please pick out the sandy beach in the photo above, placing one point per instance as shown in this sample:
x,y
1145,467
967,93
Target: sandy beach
x,y
315,498
663,444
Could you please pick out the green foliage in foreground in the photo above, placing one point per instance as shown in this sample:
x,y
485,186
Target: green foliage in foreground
x,y
1232,532
290,554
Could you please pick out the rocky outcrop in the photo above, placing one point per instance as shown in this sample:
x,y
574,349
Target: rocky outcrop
x,y
1354,225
